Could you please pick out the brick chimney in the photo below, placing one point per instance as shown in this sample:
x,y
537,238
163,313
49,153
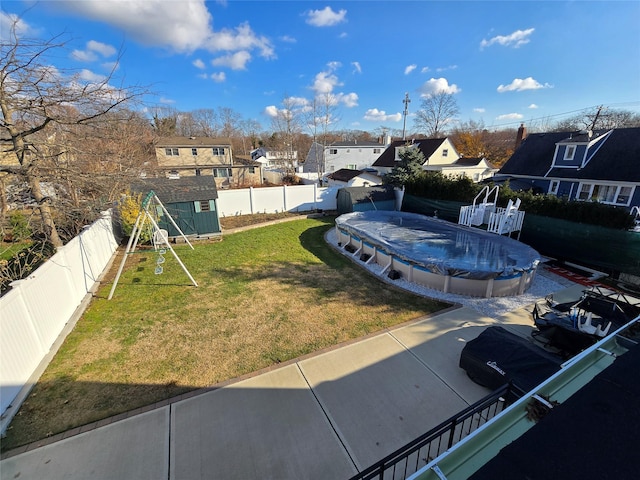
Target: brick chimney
x,y
522,134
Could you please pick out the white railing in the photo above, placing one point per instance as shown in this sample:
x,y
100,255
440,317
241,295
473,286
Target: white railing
x,y
38,309
477,214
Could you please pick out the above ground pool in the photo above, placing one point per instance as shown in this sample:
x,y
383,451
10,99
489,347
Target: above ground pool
x,y
439,254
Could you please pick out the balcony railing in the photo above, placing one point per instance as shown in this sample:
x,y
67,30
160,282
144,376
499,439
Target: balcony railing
x,y
409,459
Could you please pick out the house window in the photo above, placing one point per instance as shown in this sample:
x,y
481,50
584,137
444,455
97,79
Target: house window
x,y
198,172
624,195
222,172
174,174
377,150
204,205
352,166
218,150
570,152
609,194
445,152
553,187
194,151
252,170
585,191
171,152
348,150
333,151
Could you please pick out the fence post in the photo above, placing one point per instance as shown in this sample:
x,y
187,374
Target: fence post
x,y
284,197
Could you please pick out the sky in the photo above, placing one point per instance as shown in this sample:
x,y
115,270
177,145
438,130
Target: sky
x,y
505,62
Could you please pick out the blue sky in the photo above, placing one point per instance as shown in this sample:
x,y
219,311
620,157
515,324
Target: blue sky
x,y
506,62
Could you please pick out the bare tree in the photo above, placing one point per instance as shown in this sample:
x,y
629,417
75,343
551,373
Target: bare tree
x,y
602,118
43,108
320,117
286,125
436,112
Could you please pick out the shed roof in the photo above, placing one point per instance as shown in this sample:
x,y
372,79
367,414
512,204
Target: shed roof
x,y
183,189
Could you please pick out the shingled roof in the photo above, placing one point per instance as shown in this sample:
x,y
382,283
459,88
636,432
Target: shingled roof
x,y
426,146
615,157
183,189
192,142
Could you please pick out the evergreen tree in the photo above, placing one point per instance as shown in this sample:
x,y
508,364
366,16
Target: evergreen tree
x,y
409,167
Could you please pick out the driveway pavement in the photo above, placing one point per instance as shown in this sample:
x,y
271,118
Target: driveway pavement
x,y
323,416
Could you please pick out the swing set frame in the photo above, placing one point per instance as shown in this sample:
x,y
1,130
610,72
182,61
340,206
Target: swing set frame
x,y
143,217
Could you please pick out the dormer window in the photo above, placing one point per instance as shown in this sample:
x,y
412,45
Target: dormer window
x,y
569,152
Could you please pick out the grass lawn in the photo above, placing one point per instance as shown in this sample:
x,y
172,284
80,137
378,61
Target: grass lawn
x,y
265,296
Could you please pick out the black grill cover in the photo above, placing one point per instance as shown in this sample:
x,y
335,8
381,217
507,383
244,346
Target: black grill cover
x,y
497,357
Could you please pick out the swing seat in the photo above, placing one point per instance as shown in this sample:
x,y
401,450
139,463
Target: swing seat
x,y
160,238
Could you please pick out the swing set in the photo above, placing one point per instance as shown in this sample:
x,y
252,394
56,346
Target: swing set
x,y
160,239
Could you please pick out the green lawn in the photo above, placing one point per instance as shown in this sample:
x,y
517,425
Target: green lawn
x,y
265,296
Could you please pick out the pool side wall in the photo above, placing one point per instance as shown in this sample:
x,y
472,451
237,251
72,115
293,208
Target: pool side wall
x,y
413,272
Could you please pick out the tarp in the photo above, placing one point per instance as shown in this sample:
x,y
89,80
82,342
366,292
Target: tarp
x,y
441,247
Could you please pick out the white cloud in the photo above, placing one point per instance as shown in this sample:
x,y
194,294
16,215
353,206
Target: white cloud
x,y
448,67
9,21
235,61
326,81
533,106
437,85
272,111
218,77
166,101
375,115
325,17
409,68
349,100
287,39
111,66
102,48
515,39
356,66
180,26
93,51
91,77
84,56
510,116
479,110
199,64
240,38
424,70
520,84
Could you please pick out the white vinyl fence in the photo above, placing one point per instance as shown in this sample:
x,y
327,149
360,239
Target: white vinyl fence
x,y
295,198
36,310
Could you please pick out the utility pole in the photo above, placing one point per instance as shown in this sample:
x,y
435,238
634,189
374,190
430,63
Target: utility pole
x,y
595,119
406,102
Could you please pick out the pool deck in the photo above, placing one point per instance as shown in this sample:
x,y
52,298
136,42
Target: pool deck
x,y
327,415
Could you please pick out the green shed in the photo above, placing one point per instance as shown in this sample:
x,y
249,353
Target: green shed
x,y
191,202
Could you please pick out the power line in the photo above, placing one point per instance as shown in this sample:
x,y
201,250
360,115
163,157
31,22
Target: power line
x,y
547,117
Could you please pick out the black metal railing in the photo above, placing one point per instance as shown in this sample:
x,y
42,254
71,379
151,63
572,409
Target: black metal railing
x,y
409,459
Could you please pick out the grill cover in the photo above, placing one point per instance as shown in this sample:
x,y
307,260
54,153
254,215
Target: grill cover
x,y
497,357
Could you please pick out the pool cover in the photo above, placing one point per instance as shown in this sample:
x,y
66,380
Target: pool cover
x,y
441,247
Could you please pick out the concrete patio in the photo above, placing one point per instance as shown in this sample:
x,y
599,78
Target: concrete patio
x,y
329,415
